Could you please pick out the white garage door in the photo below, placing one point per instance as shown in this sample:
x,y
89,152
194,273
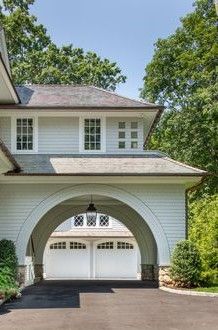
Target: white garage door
x,y
68,260
116,259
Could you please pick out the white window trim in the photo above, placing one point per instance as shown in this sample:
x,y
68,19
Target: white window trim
x,y
14,134
81,134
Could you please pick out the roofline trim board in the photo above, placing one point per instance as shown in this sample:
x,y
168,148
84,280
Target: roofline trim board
x,y
111,174
8,81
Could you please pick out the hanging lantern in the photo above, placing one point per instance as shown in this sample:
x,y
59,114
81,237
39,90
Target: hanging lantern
x,y
91,214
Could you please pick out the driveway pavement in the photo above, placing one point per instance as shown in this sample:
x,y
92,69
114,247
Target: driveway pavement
x,y
107,305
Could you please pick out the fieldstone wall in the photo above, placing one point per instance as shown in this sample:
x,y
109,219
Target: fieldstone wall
x,y
38,270
164,276
149,272
21,275
156,273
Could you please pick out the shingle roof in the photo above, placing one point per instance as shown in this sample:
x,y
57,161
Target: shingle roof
x,y
74,96
143,164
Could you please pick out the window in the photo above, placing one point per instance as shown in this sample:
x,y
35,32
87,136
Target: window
x,y
122,144
121,135
124,246
104,221
24,137
58,246
134,125
134,134
78,220
92,134
105,246
77,246
134,144
91,222
122,125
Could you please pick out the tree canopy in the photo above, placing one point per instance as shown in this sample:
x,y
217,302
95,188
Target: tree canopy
x,y
182,76
35,58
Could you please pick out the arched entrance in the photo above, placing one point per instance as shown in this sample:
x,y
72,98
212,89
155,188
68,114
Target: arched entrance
x,y
126,207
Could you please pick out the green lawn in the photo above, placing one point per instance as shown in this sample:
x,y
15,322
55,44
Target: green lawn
x,y
213,289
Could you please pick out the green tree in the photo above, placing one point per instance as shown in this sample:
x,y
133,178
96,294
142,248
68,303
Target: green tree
x,y
35,58
182,75
203,231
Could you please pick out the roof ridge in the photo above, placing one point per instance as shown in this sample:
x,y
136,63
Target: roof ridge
x,y
196,169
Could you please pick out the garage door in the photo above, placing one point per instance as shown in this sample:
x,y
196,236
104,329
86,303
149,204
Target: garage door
x,y
68,260
116,259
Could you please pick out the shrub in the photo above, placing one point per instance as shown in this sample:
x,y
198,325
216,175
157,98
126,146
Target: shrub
x,y
8,269
185,267
8,256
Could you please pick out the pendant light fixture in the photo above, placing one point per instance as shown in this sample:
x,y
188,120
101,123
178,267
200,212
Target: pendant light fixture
x,y
91,214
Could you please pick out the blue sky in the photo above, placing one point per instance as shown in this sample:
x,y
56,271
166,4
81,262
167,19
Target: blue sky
x,y
122,30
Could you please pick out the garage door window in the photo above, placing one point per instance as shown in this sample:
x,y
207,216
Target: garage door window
x,y
105,246
58,246
77,246
124,246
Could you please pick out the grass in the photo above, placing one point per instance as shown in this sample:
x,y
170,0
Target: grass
x,y
212,289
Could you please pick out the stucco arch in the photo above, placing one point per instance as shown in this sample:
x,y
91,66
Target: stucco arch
x,y
116,193
55,217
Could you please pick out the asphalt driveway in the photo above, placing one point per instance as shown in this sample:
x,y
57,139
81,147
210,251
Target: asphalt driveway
x,y
107,305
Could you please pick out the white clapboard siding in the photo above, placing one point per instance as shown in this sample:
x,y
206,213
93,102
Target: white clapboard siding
x,y
58,135
5,130
112,135
167,202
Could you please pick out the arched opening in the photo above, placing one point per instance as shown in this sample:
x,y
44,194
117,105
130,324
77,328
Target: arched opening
x,y
116,202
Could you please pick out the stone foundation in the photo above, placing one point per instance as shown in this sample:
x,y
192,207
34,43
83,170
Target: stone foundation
x,y
38,270
21,275
164,276
156,273
149,272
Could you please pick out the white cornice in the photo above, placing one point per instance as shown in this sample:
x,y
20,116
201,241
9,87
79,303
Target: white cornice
x,y
186,182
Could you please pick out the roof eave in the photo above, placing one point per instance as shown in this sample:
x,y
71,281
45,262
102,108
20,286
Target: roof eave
x,y
8,82
10,162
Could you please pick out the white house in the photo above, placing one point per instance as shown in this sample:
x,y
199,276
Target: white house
x,y
60,145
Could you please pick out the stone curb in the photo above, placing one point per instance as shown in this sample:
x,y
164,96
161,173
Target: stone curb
x,y
189,292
